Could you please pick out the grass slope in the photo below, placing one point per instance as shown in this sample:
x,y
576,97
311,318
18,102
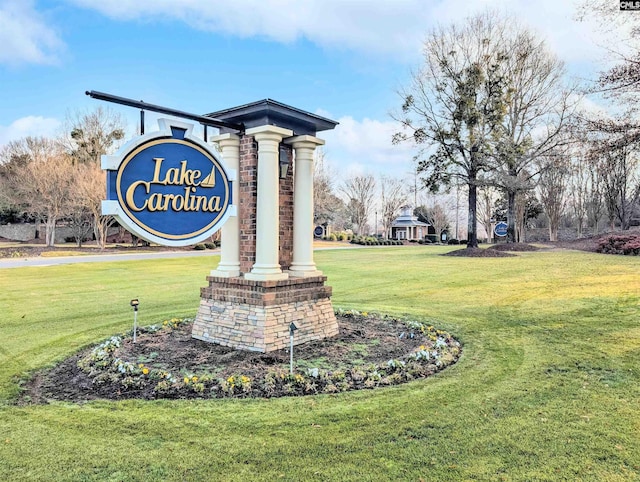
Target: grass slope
x,y
547,388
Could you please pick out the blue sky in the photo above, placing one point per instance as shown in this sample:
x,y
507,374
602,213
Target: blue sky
x,y
343,59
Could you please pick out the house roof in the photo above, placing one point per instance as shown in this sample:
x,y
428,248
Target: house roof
x,y
403,223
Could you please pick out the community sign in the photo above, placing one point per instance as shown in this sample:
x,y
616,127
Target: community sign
x,y
168,187
501,229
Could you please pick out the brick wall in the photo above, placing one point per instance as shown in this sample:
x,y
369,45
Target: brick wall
x,y
248,182
286,215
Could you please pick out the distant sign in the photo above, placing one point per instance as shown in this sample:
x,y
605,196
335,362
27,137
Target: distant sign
x,y
168,187
500,229
318,231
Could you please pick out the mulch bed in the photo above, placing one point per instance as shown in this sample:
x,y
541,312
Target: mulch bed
x,y
362,340
478,253
514,247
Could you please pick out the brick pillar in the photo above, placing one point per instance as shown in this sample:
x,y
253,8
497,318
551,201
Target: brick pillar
x,y
247,201
286,213
267,266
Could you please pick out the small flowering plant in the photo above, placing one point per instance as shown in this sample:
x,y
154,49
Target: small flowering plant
x,y
434,350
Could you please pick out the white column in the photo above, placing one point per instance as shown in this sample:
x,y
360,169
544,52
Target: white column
x,y
267,265
303,264
229,265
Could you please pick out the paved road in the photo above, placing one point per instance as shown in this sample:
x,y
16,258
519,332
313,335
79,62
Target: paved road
x,y
96,258
40,261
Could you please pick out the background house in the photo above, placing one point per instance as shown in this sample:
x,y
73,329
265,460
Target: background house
x,y
406,226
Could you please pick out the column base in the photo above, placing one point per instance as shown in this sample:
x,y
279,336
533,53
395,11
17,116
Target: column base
x,y
226,270
266,276
304,273
255,315
224,274
266,273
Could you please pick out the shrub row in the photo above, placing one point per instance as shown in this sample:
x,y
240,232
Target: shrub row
x,y
372,241
203,246
338,236
627,244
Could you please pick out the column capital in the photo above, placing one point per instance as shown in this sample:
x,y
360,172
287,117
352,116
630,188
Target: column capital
x,y
304,141
269,132
229,139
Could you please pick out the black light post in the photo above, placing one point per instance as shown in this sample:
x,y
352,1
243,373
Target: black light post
x,y
134,303
292,328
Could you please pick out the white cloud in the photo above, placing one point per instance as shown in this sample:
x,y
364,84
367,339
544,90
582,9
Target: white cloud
x,y
363,26
28,126
386,27
25,36
359,147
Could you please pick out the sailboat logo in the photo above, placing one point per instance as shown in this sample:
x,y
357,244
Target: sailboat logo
x,y
210,180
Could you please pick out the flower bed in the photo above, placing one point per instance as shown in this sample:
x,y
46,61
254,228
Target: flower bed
x,y
353,360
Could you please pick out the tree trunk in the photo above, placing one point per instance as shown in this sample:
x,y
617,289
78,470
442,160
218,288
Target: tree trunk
x,y
101,226
50,231
472,226
511,216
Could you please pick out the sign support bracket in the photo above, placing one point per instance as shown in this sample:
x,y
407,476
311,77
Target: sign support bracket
x,y
206,121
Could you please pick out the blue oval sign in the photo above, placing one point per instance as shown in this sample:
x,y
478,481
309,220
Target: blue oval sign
x,y
500,229
168,187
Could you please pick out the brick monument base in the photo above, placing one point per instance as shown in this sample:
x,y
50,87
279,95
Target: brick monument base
x,y
255,315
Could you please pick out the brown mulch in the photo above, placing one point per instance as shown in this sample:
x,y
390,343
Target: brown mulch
x,y
514,247
478,253
360,341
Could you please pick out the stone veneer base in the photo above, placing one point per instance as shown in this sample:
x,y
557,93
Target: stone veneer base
x,y
255,315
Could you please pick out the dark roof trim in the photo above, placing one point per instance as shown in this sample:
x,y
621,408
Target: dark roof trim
x,y
271,112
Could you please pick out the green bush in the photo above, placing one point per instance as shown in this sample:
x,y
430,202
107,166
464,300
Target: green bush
x,y
453,241
199,247
210,245
333,237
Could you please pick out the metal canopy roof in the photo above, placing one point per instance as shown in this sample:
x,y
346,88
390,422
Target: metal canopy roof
x,y
271,112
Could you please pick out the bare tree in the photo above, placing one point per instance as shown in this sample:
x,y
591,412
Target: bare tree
x,y
579,182
90,190
38,181
360,193
89,134
596,206
327,206
437,216
392,198
552,191
621,177
487,197
538,108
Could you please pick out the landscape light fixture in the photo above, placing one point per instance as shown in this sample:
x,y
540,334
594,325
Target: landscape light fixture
x,y
283,162
134,303
292,328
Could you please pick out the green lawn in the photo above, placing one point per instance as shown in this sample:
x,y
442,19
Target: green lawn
x,y
547,387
